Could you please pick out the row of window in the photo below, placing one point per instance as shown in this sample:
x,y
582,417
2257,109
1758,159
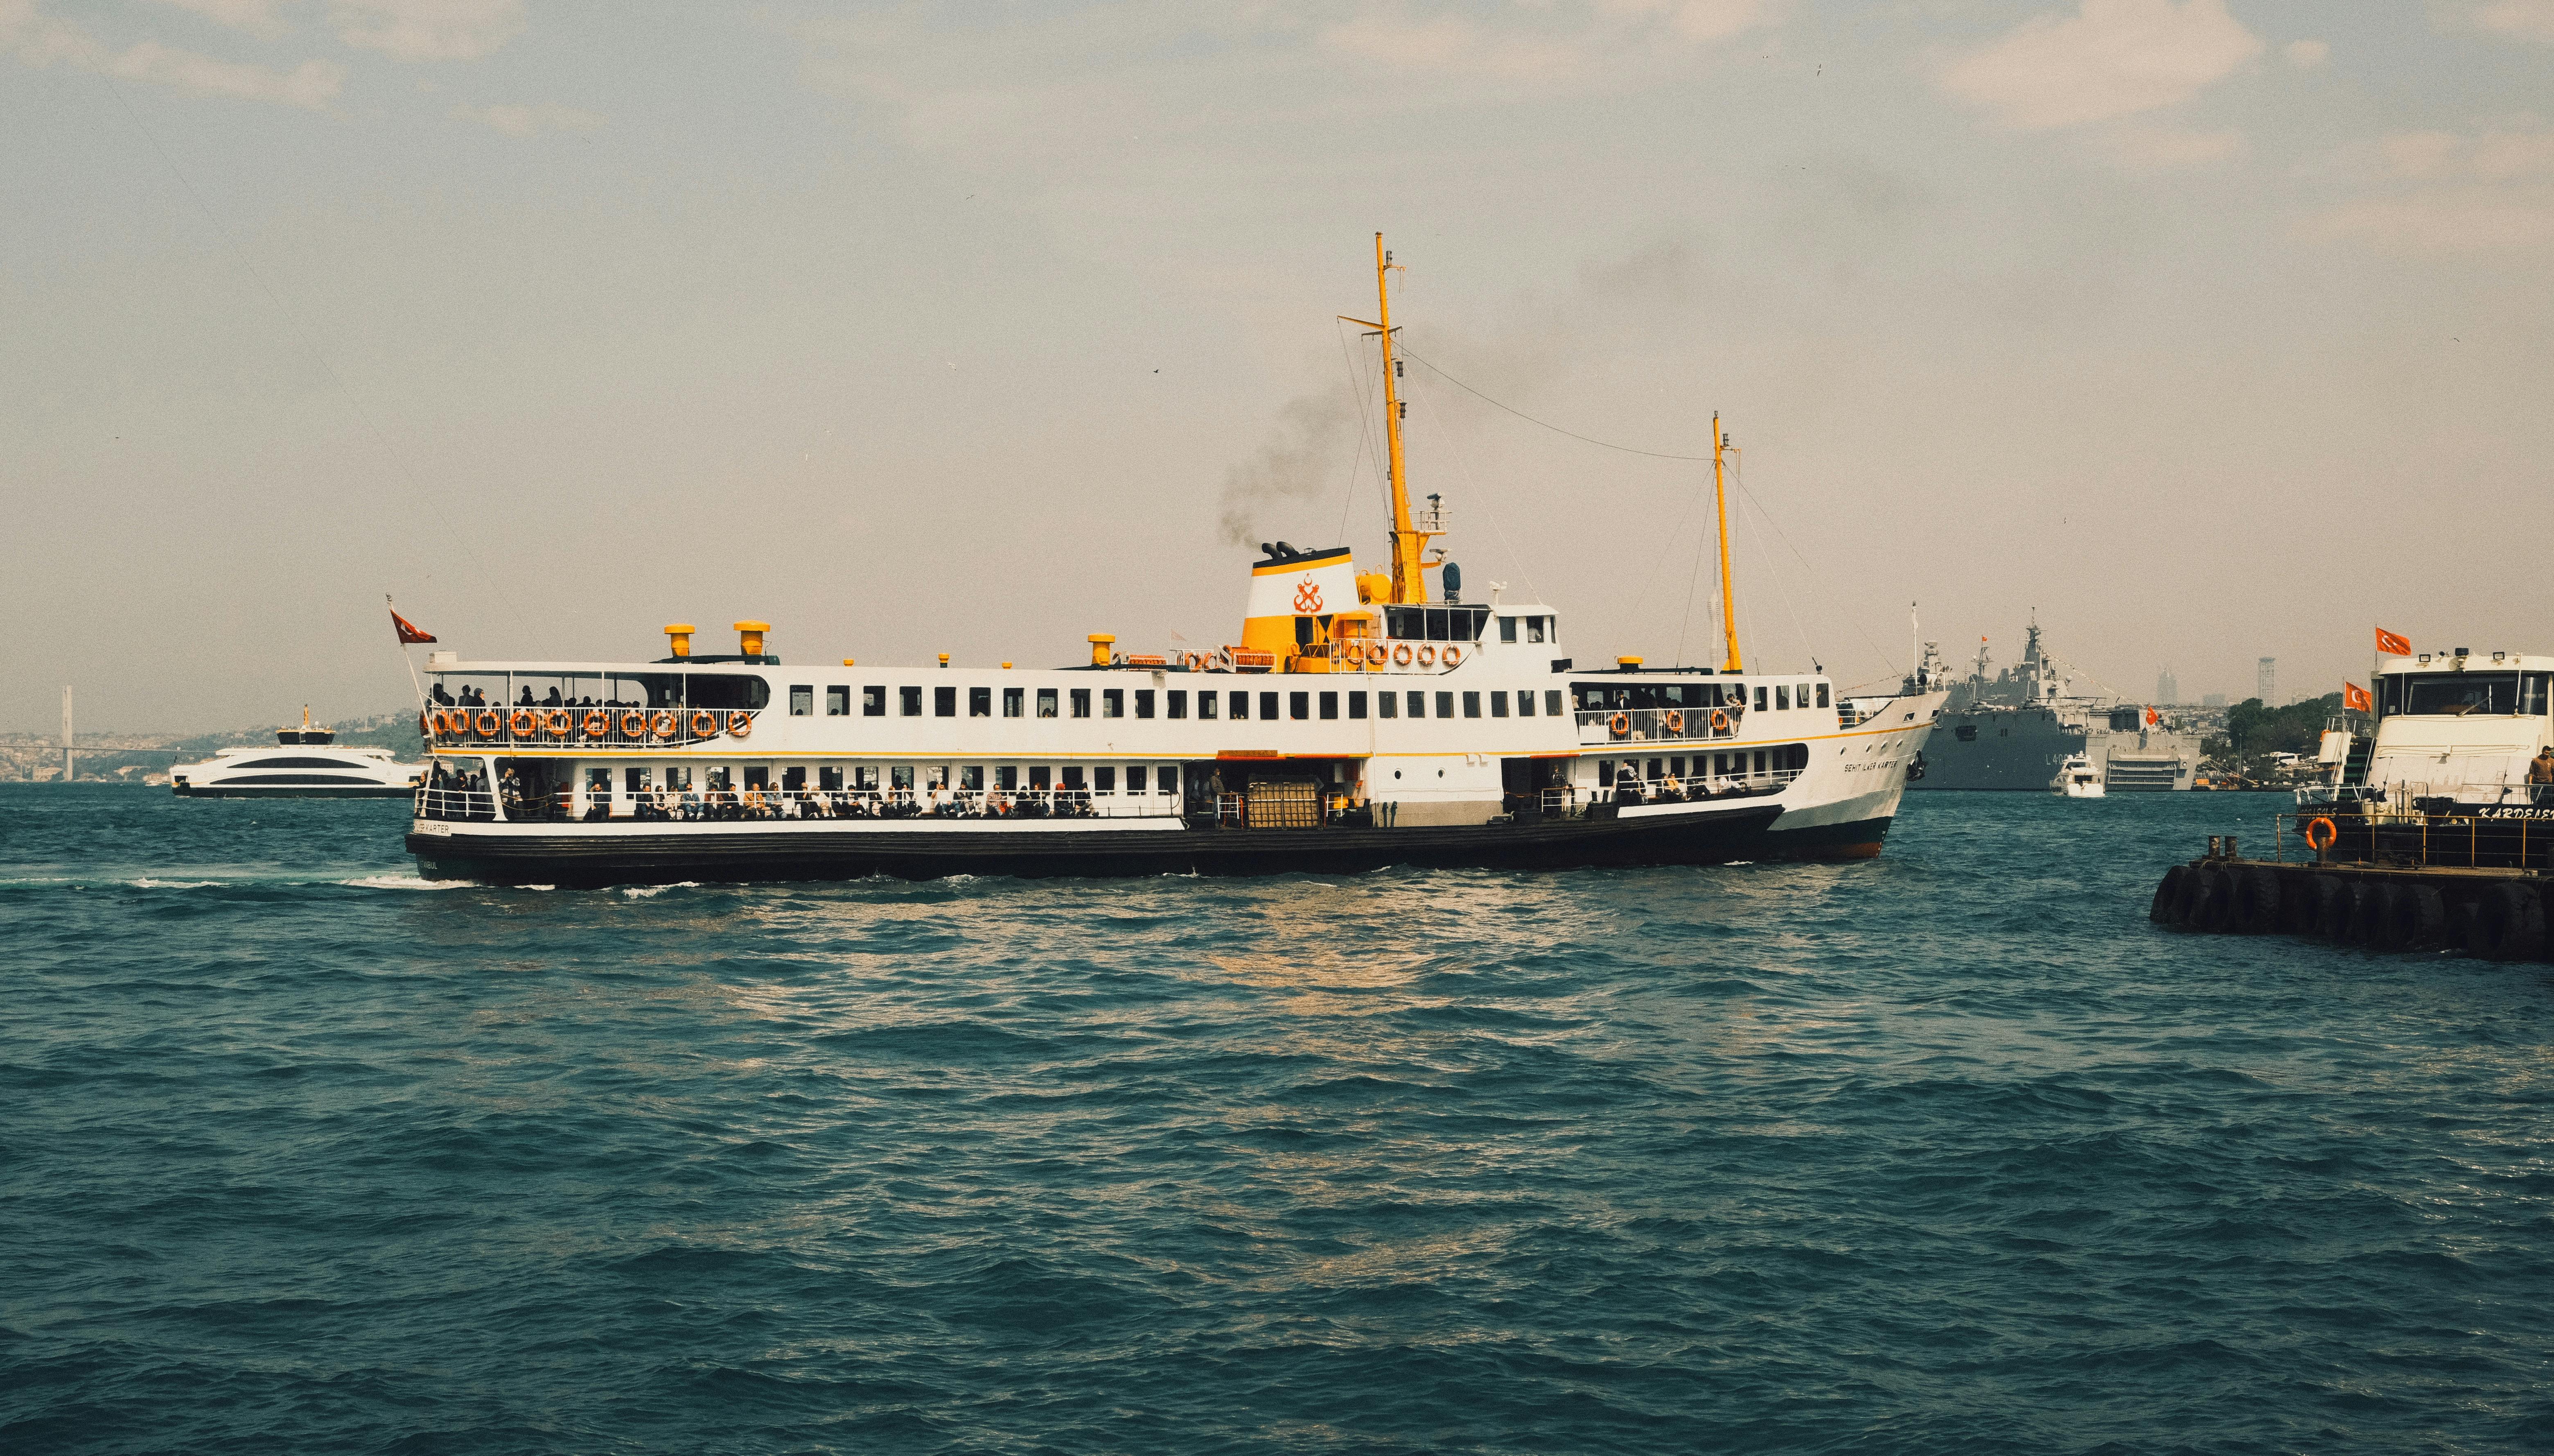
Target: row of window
x,y
901,778
1174,703
1790,759
1768,697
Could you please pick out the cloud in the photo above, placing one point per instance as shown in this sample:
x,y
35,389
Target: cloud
x,y
39,39
2112,58
1543,43
525,120
262,17
2306,54
2169,148
2521,20
427,30
2490,191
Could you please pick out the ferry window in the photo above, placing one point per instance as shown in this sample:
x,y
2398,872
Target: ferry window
x,y
1534,628
1008,778
794,779
2462,692
1760,756
1267,705
1654,768
634,780
1206,706
1437,624
873,700
1525,703
1801,695
1046,702
864,777
1388,705
1329,704
1507,629
943,702
1445,706
728,690
1760,697
900,777
678,780
1112,702
1144,702
758,777
828,779
1356,705
2390,694
1169,780
1239,707
972,778
837,701
1782,696
1104,779
1822,695
1471,704
1419,705
1406,622
1072,774
1299,705
980,701
1552,702
1177,705
1081,702
2531,694
802,700
1498,705
912,701
1134,778
1010,702
1605,773
1037,778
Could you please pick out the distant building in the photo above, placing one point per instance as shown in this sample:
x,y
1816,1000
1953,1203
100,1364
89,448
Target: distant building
x,y
2167,690
2211,699
2266,682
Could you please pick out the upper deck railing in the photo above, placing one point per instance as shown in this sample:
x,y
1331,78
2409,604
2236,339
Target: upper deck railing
x,y
520,727
1660,724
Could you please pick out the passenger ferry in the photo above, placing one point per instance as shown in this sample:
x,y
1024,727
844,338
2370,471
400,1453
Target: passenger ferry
x,y
1363,718
305,763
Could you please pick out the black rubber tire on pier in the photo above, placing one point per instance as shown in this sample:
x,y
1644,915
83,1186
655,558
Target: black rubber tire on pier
x,y
2508,923
2255,908
2416,918
2297,902
2214,911
2165,908
2332,907
2369,907
2187,896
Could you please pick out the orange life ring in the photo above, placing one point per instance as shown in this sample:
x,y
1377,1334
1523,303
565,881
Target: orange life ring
x,y
1453,655
596,722
1374,654
1427,656
704,723
740,724
523,723
1672,720
1620,725
2331,834
1192,662
1401,655
554,723
664,722
424,725
634,724
1719,722
486,723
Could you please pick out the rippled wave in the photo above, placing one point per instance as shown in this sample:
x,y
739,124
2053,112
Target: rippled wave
x,y
1944,1151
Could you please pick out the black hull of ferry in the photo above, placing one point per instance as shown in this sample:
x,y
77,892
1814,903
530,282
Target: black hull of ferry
x,y
710,856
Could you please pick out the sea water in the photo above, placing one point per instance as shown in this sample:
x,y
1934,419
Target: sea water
x,y
1950,1151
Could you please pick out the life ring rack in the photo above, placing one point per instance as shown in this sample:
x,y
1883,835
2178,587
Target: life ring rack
x,y
664,722
2329,833
555,723
1672,720
1452,655
486,723
1620,725
523,723
633,723
739,724
1401,655
595,723
1720,719
1427,654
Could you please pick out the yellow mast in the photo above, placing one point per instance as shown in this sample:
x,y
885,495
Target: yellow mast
x,y
1728,589
1409,583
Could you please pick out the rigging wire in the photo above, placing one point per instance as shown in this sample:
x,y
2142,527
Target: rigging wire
x,y
1546,424
1515,557
1365,432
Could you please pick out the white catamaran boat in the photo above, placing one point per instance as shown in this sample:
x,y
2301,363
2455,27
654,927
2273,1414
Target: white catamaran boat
x,y
304,765
1363,721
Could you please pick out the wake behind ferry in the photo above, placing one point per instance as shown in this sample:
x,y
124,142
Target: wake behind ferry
x,y
1363,719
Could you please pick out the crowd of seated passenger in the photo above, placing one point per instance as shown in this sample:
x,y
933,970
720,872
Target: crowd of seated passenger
x,y
757,802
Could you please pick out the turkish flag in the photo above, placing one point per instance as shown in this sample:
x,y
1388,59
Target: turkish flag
x,y
2355,699
407,630
2394,644
2154,718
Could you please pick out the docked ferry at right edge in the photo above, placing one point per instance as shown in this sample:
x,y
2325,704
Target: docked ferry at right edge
x,y
1363,721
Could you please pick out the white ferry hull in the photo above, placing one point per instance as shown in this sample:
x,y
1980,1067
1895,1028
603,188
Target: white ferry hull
x,y
294,791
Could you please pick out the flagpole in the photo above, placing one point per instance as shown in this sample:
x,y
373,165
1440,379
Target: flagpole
x,y
417,685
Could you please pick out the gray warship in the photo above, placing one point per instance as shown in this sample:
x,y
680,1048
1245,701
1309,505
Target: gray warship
x,y
2013,730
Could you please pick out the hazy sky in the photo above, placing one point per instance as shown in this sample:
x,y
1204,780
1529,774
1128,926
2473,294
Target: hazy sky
x,y
2205,328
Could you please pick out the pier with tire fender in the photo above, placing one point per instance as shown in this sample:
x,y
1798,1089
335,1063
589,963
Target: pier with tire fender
x,y
2495,912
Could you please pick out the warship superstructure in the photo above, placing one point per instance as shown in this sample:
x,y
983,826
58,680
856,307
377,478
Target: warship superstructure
x,y
2015,729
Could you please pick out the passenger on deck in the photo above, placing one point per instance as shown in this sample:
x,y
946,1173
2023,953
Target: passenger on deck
x,y
2541,775
442,696
526,700
552,701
